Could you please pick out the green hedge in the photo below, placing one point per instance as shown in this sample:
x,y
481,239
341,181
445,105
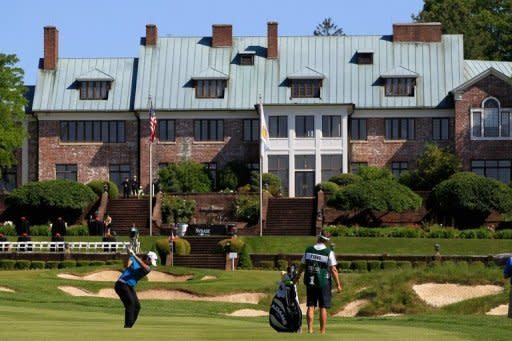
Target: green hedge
x,y
182,247
22,264
7,230
77,230
83,263
236,245
389,264
97,187
97,263
67,264
52,264
404,264
267,264
7,264
282,264
359,265
374,265
40,230
245,261
344,265
37,264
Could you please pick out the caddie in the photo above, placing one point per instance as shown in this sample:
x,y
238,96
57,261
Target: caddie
x,y
319,265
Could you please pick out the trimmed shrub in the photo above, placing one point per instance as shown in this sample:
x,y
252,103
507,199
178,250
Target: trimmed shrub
x,y
419,264
234,175
7,264
435,264
374,265
37,264
116,262
462,264
359,265
477,265
246,208
344,265
267,264
236,245
7,230
176,210
245,261
163,249
184,177
344,179
97,263
52,264
182,247
67,264
405,232
40,230
97,187
270,181
449,263
438,231
469,198
282,264
503,234
389,264
22,264
77,230
82,263
48,199
404,264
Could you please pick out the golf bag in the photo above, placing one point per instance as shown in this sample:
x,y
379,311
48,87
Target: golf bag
x,y
285,314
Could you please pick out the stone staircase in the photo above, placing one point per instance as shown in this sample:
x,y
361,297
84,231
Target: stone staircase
x,y
125,212
202,254
290,216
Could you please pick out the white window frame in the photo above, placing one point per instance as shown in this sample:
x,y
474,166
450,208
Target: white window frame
x,y
481,110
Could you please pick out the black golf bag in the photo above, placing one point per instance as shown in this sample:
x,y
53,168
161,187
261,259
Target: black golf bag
x,y
285,314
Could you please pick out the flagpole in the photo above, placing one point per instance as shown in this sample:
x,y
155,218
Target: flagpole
x,y
261,169
150,179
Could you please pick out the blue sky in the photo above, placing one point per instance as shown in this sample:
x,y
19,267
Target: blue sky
x,y
112,28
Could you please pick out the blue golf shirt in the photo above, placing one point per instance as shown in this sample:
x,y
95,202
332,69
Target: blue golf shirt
x,y
507,271
132,274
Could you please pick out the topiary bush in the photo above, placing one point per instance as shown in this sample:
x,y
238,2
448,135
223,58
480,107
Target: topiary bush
x,y
374,265
404,264
81,263
389,264
67,264
184,177
52,264
7,264
469,198
77,230
344,266
45,200
97,187
163,249
236,245
181,247
246,208
245,261
37,264
359,265
22,264
419,264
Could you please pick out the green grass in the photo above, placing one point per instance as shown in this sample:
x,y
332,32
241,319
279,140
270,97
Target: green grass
x,y
391,246
38,310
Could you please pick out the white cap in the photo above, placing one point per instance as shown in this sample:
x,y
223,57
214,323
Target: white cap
x,y
324,237
153,257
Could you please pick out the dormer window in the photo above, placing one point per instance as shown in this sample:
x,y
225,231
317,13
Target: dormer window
x,y
364,57
247,58
94,90
210,88
400,87
306,88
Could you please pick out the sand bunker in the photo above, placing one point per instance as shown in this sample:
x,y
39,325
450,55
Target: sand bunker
x,y
112,276
351,309
161,294
248,313
439,295
207,278
6,289
501,310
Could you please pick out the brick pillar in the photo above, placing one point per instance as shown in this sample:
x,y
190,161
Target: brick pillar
x,y
272,47
222,36
417,32
320,204
51,47
151,35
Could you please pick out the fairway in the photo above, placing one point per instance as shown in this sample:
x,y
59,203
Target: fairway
x,y
37,323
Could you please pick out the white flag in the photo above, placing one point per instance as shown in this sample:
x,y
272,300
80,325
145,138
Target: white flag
x,y
264,137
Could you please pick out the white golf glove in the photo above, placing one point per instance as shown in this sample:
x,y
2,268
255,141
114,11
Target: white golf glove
x,y
129,250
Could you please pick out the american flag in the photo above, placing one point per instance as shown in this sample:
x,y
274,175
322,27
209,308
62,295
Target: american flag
x,y
152,123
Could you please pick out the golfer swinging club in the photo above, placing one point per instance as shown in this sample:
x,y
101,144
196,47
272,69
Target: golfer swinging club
x,y
125,285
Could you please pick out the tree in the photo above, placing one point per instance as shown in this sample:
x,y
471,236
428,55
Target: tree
x,y
186,176
328,28
486,25
469,198
12,109
433,167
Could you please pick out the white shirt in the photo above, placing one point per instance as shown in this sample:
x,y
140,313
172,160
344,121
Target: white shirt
x,y
321,246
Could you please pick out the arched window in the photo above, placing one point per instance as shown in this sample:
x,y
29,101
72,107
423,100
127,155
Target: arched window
x,y
490,121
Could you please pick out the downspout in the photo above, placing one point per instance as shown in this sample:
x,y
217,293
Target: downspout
x,y
349,145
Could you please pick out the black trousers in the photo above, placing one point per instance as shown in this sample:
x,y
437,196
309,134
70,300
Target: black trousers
x,y
130,301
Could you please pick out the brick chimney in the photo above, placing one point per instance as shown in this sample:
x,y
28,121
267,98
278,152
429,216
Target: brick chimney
x,y
51,47
417,32
272,40
151,35
222,36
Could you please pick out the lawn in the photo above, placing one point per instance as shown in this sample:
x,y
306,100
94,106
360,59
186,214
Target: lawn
x,y
38,310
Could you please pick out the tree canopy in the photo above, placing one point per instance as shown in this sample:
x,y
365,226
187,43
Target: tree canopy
x,y
328,28
486,25
184,177
12,109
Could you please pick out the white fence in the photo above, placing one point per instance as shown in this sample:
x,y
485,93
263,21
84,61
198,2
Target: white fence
x,y
62,247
